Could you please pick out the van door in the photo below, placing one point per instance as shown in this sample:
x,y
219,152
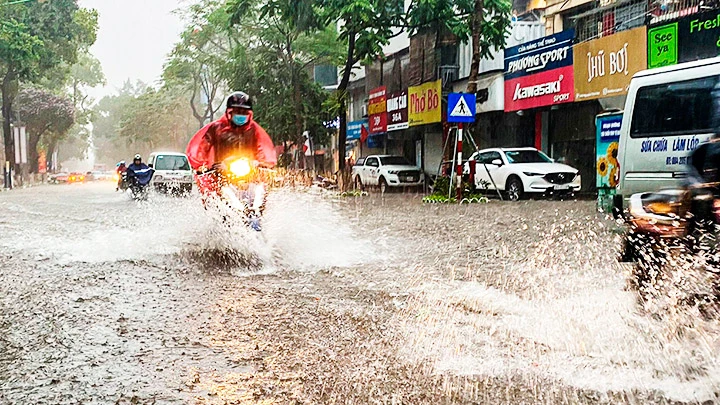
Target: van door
x,y
667,122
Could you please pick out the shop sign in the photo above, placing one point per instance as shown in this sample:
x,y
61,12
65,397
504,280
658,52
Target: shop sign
x,y
687,39
377,110
397,111
424,103
540,72
604,67
608,138
354,129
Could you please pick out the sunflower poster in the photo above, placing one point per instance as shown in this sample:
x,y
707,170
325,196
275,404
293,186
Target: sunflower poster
x,y
606,162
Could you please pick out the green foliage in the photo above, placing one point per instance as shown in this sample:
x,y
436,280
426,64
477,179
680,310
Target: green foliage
x,y
441,192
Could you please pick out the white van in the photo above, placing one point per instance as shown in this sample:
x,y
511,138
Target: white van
x,y
172,172
668,113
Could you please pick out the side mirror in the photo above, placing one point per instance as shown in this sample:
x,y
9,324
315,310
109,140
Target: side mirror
x,y
150,165
497,162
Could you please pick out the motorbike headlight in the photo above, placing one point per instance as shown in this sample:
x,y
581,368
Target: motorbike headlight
x,y
531,174
240,167
669,203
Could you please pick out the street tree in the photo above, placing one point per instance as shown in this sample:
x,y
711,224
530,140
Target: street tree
x,y
365,27
197,63
47,118
282,41
486,23
35,37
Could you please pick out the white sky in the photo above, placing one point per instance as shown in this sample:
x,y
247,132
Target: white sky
x,y
134,38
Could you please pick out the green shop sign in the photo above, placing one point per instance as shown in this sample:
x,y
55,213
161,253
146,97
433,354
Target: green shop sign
x,y
690,38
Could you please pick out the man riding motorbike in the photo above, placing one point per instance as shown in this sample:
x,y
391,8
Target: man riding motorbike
x,y
234,135
138,175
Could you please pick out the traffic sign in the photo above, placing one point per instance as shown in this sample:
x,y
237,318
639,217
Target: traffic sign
x,y
461,107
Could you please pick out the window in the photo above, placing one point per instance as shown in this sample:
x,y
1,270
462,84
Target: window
x,y
394,161
372,162
526,156
679,108
360,162
170,162
488,157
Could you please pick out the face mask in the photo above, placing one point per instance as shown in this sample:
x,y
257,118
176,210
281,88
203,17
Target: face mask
x,y
239,119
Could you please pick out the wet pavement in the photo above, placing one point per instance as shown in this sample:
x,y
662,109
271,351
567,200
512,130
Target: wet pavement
x,y
339,300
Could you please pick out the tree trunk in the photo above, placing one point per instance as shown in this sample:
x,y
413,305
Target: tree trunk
x,y
342,89
33,152
7,99
475,21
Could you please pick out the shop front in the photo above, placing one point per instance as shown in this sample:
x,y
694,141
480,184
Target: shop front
x,y
424,124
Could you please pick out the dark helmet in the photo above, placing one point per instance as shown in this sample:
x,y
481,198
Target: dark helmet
x,y
240,99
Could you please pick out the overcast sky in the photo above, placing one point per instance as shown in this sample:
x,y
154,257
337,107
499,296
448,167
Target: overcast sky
x,y
134,38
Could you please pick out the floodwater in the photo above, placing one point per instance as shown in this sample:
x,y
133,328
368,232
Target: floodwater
x,y
338,300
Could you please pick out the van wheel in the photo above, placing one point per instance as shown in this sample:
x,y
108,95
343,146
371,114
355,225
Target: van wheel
x,y
514,189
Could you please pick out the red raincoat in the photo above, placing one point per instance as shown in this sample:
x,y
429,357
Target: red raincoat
x,y
220,139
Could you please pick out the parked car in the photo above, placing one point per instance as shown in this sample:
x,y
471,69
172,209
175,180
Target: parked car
x,y
521,171
669,112
76,177
172,172
98,175
58,178
386,171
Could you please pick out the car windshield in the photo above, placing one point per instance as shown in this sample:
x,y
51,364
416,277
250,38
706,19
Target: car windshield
x,y
394,161
526,156
169,162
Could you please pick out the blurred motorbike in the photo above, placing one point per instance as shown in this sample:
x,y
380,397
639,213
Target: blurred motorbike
x,y
678,230
238,184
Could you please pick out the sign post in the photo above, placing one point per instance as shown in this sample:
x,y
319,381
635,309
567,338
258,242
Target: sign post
x,y
461,109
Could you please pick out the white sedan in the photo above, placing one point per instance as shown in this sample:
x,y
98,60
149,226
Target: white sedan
x,y
520,171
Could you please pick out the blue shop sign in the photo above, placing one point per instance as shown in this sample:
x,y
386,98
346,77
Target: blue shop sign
x,y
354,129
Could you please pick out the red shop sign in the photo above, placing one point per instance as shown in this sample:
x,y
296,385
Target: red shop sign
x,y
377,110
552,87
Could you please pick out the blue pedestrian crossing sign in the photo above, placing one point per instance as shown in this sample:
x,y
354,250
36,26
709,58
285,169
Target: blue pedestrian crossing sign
x,y
461,107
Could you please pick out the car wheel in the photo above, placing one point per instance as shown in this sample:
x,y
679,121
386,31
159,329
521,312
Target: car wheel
x,y
358,183
383,185
514,189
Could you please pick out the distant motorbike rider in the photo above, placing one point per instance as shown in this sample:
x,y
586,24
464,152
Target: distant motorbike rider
x,y
234,134
120,169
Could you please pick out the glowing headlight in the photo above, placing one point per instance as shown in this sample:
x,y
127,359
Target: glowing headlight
x,y
240,168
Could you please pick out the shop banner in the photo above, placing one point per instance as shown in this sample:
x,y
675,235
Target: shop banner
x,y
547,88
354,129
540,72
377,110
540,55
397,111
608,138
604,67
425,103
687,39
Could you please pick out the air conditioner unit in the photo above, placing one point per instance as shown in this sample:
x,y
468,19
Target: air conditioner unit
x,y
449,74
363,110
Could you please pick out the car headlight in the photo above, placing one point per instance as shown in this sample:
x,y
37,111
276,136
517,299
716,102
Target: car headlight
x,y
393,171
531,174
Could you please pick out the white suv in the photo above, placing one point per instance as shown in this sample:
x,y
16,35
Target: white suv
x,y
172,172
386,171
518,171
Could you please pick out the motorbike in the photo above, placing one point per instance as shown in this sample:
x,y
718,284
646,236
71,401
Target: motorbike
x,y
239,186
673,242
138,182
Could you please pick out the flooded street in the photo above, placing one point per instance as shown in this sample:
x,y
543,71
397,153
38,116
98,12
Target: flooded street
x,y
339,300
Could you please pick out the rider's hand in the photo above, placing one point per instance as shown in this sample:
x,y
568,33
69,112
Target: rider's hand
x,y
219,167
